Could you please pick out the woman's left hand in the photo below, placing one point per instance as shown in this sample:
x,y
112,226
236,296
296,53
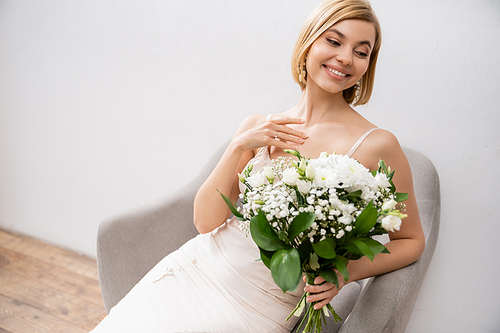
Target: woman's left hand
x,y
322,293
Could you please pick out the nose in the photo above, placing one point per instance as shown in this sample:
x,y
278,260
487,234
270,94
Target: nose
x,y
344,56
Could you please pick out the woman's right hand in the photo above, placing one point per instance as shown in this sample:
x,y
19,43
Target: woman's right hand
x,y
272,132
210,211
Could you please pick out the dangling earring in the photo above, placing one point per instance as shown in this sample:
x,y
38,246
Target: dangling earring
x,y
302,71
357,90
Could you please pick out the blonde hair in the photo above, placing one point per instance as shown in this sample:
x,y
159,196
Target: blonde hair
x,y
321,19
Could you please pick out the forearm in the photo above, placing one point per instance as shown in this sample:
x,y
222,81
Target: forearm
x,y
210,211
403,252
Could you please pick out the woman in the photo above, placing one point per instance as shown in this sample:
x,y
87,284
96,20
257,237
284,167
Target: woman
x,y
213,283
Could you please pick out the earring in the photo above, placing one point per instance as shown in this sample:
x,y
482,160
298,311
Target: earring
x,y
302,71
357,89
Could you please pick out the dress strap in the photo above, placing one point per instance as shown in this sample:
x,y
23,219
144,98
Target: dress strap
x,y
360,141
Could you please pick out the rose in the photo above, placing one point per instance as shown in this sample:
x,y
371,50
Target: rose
x,y
256,180
389,205
303,186
381,180
391,223
290,176
269,173
310,173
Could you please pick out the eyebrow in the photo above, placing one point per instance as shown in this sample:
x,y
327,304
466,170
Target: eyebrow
x,y
341,35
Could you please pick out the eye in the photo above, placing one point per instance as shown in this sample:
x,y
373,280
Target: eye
x,y
362,54
333,42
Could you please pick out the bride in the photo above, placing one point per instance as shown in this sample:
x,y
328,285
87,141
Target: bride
x,y
213,282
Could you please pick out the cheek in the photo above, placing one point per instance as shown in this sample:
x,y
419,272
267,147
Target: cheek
x,y
315,57
362,67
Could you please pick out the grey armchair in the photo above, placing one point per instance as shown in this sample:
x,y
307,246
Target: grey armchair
x,y
131,243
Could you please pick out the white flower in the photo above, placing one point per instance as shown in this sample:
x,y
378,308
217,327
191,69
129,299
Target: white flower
x,y
257,179
389,204
303,186
382,180
391,223
340,234
269,173
346,219
290,176
310,173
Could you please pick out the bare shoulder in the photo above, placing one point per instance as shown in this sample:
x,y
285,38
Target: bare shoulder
x,y
382,145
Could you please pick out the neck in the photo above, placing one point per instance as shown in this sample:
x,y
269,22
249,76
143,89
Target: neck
x,y
318,105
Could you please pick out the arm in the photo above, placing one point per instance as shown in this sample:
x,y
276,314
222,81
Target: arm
x,y
407,244
255,132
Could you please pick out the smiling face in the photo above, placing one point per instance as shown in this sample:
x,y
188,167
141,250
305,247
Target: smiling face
x,y
341,55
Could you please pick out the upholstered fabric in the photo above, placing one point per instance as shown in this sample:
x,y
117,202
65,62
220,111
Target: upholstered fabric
x,y
130,243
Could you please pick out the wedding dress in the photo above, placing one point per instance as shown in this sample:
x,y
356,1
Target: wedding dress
x,y
213,283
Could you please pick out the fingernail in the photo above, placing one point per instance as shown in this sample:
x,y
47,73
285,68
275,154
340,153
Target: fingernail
x,y
316,307
304,135
294,147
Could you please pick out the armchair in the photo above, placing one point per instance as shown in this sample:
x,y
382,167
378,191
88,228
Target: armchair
x,y
129,244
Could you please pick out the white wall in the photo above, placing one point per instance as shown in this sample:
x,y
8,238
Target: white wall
x,y
105,105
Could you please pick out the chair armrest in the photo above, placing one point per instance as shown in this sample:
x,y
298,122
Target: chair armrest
x,y
386,303
129,244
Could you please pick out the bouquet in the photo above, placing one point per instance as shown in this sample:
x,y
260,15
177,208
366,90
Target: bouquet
x,y
314,215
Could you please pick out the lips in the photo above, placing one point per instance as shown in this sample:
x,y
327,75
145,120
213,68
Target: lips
x,y
337,71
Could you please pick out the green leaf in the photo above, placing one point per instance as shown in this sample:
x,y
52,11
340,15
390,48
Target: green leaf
x,y
286,269
325,248
265,227
300,197
300,223
375,246
353,249
365,249
330,276
366,220
232,207
340,264
393,187
352,197
283,236
401,197
382,166
266,259
368,247
313,261
305,248
262,241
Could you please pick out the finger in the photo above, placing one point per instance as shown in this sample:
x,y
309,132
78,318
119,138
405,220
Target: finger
x,y
281,144
327,295
321,304
319,280
283,120
316,288
288,137
273,128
